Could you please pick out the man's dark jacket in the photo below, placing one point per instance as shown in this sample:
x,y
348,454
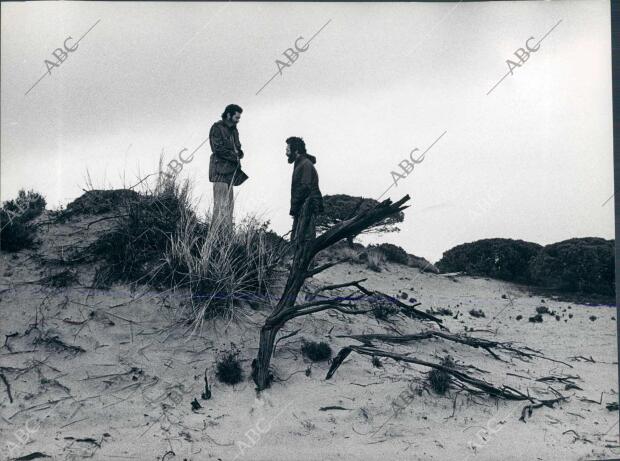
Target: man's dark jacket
x,y
224,165
305,185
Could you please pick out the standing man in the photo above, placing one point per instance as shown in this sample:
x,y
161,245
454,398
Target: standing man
x,y
304,187
225,166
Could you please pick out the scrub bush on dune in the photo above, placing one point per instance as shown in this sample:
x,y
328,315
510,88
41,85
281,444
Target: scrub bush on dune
x,y
136,245
504,259
221,267
160,241
16,230
583,265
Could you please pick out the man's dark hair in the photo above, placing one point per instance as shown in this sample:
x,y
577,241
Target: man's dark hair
x,y
297,144
231,109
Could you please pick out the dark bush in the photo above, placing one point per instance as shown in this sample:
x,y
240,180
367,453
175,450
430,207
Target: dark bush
x,y
228,369
504,259
393,253
478,313
16,231
137,244
542,310
27,205
440,311
383,309
94,202
536,319
439,379
14,234
519,317
584,265
317,352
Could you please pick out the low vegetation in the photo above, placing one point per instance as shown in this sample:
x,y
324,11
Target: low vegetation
x,y
579,265
440,379
317,352
228,368
16,229
158,240
583,265
503,259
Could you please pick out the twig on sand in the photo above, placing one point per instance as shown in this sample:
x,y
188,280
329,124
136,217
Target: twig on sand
x,y
584,399
578,358
8,386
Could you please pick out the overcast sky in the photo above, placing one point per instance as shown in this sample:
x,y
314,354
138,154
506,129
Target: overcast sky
x,y
532,160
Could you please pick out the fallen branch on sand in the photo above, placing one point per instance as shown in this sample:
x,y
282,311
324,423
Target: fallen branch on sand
x,y
466,382
485,344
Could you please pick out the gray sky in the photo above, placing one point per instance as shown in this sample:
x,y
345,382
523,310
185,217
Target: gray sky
x,y
532,160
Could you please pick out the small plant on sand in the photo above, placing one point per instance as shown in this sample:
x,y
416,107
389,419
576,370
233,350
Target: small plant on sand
x,y
538,318
478,313
542,310
439,379
384,310
228,369
317,352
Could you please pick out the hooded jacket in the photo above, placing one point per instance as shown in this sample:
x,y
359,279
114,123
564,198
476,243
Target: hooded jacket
x,y
224,165
305,185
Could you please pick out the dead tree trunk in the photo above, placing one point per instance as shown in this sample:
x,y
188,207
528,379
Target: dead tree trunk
x,y
305,251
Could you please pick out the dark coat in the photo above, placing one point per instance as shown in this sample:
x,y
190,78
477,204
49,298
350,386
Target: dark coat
x,y
305,185
224,165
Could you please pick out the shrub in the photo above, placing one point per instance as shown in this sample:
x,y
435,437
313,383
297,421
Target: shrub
x,y
228,369
317,352
538,318
16,231
134,249
384,309
478,313
95,202
439,379
584,265
27,205
220,266
423,264
393,253
504,259
160,241
542,310
519,317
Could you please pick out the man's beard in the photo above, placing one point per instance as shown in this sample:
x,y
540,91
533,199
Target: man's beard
x,y
290,158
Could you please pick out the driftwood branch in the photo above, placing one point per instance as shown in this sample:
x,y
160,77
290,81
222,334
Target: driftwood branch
x,y
481,343
504,392
407,309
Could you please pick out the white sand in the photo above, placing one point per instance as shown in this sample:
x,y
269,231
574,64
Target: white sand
x,y
284,422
